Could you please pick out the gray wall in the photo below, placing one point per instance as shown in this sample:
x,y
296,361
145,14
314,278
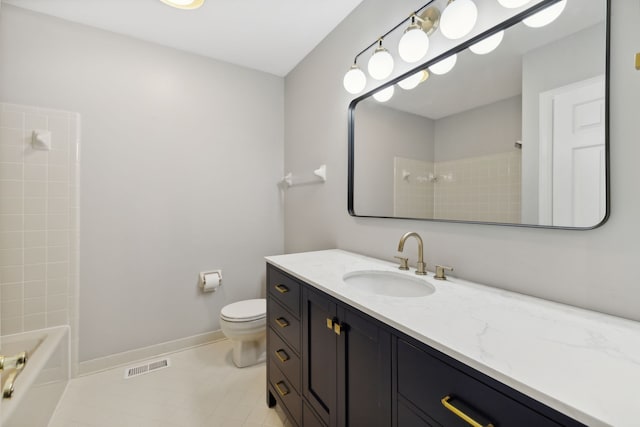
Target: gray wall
x,y
490,129
593,269
180,161
382,134
557,64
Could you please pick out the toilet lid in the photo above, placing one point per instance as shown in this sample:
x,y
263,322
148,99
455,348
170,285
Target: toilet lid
x,y
245,311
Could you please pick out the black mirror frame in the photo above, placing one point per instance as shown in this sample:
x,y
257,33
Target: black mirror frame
x,y
459,48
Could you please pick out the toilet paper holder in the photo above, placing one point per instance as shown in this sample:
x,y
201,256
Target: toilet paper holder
x,y
210,281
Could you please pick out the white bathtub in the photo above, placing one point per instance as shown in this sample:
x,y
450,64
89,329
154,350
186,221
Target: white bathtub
x,y
40,385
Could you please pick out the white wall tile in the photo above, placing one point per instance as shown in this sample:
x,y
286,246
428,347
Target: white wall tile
x,y
11,205
35,218
10,257
35,256
56,318
13,291
35,205
35,321
35,272
35,305
10,154
11,274
13,137
35,172
11,325
9,119
35,189
11,171
35,289
35,222
35,121
11,240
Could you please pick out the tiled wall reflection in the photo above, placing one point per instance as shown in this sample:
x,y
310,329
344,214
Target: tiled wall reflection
x,y
484,188
38,220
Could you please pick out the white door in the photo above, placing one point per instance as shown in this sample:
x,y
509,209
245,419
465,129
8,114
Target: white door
x,y
578,155
572,155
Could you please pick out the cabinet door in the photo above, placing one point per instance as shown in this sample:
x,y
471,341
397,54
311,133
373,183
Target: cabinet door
x,y
364,372
319,371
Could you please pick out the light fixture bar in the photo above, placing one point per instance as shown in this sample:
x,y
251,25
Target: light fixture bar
x,y
413,14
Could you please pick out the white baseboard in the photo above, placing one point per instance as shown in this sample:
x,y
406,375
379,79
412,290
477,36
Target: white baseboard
x,y
112,361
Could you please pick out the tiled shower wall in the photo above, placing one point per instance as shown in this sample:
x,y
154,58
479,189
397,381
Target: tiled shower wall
x,y
38,221
483,188
413,188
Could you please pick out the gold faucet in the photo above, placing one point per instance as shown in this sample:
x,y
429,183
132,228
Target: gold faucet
x,y
421,267
17,361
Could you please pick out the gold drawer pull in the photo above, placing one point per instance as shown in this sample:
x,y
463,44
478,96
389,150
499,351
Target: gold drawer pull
x,y
329,323
282,322
281,288
282,388
282,355
459,413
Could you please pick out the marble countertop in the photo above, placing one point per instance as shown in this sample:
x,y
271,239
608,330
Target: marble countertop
x,y
579,362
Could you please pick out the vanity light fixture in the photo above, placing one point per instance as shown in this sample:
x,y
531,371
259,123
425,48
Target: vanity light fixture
x,y
384,95
355,80
458,19
545,16
444,66
424,21
511,4
414,43
380,65
487,45
414,80
184,4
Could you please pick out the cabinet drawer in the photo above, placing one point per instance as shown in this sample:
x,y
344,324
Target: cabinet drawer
x,y
284,358
407,417
309,418
425,380
283,322
285,393
284,289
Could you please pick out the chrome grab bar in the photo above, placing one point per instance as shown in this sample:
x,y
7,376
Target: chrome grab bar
x,y
14,362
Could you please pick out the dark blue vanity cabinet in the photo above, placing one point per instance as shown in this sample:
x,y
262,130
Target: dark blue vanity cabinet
x,y
329,364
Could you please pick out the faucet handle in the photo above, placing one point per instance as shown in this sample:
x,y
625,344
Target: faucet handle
x,y
440,269
404,263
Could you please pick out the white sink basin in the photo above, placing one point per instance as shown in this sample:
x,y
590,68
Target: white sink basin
x,y
388,283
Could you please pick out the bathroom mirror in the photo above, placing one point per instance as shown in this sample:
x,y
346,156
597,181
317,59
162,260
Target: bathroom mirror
x,y
518,136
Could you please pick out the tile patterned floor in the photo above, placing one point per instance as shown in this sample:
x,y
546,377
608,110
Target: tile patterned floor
x,y
202,388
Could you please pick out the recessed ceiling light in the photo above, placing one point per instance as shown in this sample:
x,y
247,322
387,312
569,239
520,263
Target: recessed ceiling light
x,y
184,4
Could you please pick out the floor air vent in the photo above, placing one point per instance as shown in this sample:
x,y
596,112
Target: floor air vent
x,y
146,368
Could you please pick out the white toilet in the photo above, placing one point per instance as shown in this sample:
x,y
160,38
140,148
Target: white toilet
x,y
245,324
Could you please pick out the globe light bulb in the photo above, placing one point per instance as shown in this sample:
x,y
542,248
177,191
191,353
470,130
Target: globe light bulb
x,y
414,43
384,95
511,4
413,80
444,66
458,19
380,64
354,80
487,45
545,16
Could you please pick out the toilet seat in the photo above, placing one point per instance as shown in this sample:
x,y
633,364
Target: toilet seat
x,y
245,311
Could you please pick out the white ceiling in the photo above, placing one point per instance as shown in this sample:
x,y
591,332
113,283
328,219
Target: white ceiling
x,y
267,35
